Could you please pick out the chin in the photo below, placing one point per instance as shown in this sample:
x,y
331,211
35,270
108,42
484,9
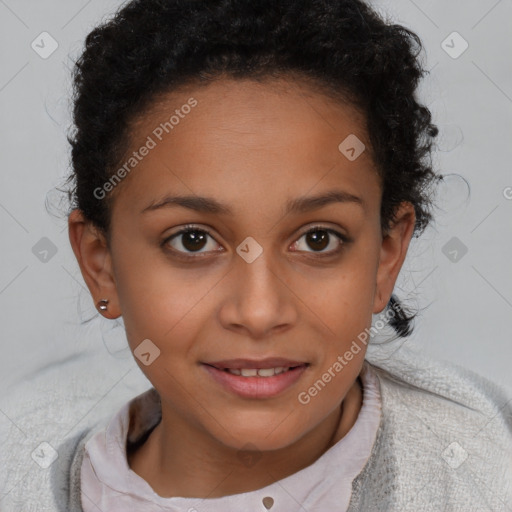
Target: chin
x,y
258,440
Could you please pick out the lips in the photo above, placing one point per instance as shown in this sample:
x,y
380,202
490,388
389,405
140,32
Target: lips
x,y
270,362
256,386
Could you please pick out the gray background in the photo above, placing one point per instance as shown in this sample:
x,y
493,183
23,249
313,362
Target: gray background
x,y
466,305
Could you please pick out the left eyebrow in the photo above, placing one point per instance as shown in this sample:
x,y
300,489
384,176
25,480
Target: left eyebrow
x,y
299,205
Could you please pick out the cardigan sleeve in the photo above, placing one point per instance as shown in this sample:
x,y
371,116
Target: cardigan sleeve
x,y
65,477
444,443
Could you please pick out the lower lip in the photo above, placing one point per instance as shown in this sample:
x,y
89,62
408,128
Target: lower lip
x,y
256,387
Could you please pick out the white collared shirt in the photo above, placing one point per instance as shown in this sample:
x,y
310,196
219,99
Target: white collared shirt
x,y
108,484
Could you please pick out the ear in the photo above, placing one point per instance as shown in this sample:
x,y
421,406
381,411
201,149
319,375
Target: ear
x,y
395,243
93,255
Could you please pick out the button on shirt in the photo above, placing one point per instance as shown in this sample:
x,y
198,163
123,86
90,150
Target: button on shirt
x,y
108,484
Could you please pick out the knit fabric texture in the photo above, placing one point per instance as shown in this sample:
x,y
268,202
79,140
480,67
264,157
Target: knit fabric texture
x,y
444,443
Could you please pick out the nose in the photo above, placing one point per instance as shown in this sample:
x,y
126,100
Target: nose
x,y
259,301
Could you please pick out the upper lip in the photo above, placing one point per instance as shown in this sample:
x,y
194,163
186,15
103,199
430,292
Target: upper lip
x,y
270,362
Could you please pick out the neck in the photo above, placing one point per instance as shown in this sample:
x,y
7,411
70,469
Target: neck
x,y
179,461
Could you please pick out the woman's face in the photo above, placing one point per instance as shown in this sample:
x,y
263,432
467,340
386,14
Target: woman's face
x,y
259,164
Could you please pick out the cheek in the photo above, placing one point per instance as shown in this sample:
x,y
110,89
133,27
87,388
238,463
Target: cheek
x,y
161,303
343,299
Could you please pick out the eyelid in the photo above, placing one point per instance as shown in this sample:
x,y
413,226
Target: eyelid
x,y
316,227
186,229
340,236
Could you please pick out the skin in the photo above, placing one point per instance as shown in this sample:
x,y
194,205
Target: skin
x,y
251,146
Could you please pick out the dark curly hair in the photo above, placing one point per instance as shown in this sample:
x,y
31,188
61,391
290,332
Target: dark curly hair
x,y
342,47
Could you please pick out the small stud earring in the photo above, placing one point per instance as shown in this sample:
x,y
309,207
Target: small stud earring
x,y
102,304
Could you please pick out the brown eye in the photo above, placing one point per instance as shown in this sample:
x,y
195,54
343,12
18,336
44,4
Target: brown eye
x,y
319,238
193,240
189,240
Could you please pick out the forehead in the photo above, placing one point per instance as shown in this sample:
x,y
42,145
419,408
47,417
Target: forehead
x,y
277,138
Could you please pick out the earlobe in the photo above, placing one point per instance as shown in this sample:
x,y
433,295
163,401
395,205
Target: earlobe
x,y
93,256
395,244
378,304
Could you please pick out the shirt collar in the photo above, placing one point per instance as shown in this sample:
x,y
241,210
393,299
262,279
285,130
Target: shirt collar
x,y
326,482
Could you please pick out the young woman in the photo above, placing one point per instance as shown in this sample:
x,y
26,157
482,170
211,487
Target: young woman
x,y
247,179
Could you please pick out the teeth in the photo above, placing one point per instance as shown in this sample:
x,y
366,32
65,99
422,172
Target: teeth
x,y
266,372
260,372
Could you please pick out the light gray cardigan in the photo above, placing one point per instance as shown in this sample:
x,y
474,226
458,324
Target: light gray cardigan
x,y
444,444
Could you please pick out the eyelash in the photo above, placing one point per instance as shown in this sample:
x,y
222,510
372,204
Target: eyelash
x,y
191,228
